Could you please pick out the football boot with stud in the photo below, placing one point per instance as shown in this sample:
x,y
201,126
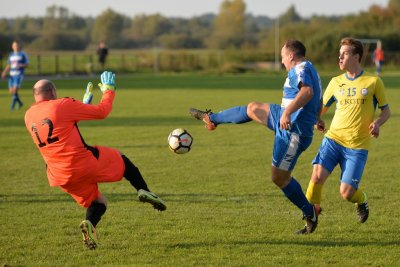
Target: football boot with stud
x,y
89,234
311,221
362,210
153,199
204,116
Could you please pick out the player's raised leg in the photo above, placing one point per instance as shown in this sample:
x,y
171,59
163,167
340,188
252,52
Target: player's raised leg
x,y
237,115
258,112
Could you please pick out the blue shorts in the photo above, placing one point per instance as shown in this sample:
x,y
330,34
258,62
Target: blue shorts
x,y
15,81
287,145
351,161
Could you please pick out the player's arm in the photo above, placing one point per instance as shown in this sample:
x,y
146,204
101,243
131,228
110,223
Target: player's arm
x,y
5,71
303,97
23,65
327,100
81,111
379,121
320,124
383,105
25,62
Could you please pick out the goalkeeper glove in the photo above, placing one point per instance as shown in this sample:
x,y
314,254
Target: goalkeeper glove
x,y
88,97
107,81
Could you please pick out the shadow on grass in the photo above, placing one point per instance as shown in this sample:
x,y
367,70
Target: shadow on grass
x,y
197,197
311,243
123,197
34,198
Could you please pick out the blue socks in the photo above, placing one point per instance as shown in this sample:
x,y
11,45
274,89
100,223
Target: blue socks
x,y
295,194
15,99
235,115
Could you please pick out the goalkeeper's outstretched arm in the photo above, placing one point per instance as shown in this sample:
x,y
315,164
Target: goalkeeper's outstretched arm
x,y
107,83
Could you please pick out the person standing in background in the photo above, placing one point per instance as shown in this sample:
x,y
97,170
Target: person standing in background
x,y
102,53
16,64
378,57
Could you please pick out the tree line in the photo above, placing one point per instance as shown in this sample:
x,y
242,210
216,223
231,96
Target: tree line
x,y
231,29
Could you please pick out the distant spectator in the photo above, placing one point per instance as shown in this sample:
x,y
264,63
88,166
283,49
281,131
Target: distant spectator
x,y
378,57
16,64
102,53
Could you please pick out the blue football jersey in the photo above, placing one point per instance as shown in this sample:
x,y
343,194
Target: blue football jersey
x,y
14,60
303,120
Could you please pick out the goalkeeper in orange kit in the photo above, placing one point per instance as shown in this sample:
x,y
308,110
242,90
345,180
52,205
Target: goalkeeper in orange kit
x,y
73,165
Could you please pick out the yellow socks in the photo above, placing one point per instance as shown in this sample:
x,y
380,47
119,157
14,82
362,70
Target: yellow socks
x,y
314,192
358,197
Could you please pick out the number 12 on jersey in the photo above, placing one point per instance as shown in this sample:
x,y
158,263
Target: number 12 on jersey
x,y
50,139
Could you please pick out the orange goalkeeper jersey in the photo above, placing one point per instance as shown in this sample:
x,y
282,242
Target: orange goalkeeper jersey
x,y
53,127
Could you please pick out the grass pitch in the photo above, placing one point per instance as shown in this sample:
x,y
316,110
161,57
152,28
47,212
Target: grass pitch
x,y
223,210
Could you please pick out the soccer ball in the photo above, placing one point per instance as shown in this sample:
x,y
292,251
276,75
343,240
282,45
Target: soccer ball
x,y
180,141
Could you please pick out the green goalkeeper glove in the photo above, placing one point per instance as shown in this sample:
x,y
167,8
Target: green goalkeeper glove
x,y
107,81
88,97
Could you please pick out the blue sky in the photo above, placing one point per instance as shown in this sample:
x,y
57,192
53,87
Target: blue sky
x,y
184,8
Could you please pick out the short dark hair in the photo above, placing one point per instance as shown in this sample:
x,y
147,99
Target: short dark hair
x,y
296,47
356,46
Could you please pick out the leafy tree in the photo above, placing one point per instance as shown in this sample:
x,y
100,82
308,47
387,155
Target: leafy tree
x,y
4,26
20,24
229,25
108,27
230,29
200,29
34,26
77,23
58,41
145,29
290,16
56,19
394,4
175,41
5,44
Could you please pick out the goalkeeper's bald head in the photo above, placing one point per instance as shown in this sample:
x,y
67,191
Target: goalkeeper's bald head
x,y
44,90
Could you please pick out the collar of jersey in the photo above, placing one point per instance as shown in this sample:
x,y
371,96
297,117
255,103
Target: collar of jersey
x,y
352,79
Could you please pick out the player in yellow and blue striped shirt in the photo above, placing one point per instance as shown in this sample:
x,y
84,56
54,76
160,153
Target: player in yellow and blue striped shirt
x,y
357,94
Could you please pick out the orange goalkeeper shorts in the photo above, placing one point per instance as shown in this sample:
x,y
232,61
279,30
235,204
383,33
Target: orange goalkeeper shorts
x,y
109,167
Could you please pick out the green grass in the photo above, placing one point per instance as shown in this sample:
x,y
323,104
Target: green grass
x,y
223,210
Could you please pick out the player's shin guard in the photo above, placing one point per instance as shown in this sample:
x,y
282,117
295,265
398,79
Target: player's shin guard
x,y
133,175
295,194
94,212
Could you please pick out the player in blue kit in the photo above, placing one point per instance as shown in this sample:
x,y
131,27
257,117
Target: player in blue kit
x,y
292,122
16,64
